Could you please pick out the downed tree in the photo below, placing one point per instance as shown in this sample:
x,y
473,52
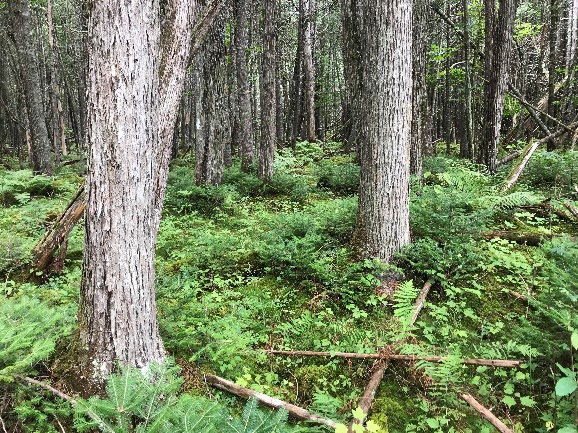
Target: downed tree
x,y
522,238
527,154
295,411
486,414
369,394
573,210
506,363
56,237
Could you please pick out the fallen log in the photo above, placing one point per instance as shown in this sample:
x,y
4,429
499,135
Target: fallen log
x,y
506,363
369,394
522,238
573,210
527,154
507,159
56,237
486,414
294,411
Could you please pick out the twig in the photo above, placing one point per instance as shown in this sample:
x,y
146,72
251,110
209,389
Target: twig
x,y
505,363
295,411
420,301
486,414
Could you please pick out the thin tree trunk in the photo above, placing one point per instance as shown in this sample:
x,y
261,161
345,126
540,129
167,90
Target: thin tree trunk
x,y
498,45
268,116
245,127
469,151
41,157
308,68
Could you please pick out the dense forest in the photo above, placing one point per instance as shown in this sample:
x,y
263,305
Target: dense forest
x,y
288,216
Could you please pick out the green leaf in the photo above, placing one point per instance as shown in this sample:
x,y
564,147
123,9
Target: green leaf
x,y
372,427
433,423
509,400
358,414
565,386
358,428
527,401
569,429
574,340
340,428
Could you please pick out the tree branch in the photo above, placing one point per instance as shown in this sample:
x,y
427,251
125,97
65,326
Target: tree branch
x,y
486,414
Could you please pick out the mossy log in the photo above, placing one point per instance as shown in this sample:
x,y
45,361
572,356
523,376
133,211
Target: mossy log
x,y
57,236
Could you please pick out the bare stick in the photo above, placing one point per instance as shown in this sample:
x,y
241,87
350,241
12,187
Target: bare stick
x,y
507,159
505,363
295,411
486,414
527,154
420,301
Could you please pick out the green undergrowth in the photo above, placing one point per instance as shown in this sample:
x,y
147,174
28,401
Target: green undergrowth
x,y
247,266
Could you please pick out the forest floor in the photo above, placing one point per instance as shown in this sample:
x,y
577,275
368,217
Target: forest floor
x,y
245,267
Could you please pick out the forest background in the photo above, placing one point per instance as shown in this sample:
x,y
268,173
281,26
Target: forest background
x,y
260,247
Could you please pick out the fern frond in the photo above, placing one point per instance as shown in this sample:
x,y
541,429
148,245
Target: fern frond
x,y
404,299
510,201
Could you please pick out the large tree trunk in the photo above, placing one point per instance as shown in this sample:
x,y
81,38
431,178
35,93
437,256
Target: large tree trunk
x,y
268,100
136,80
498,45
382,225
245,126
41,157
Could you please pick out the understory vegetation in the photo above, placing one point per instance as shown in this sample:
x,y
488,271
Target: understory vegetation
x,y
246,267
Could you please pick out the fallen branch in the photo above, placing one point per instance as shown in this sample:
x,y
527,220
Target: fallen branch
x,y
506,363
522,238
58,234
486,414
507,159
572,209
527,154
295,411
369,393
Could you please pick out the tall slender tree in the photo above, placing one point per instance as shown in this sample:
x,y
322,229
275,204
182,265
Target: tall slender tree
x,y
22,29
385,36
268,100
499,27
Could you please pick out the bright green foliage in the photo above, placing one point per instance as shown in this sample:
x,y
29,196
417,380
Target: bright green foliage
x,y
148,402
28,333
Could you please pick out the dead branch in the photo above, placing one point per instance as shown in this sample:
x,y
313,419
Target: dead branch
x,y
58,234
486,414
506,363
573,210
527,154
295,411
507,159
369,394
522,238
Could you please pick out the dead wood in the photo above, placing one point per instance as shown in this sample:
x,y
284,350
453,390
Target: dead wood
x,y
522,238
507,159
369,394
527,154
56,237
573,210
295,411
486,414
506,363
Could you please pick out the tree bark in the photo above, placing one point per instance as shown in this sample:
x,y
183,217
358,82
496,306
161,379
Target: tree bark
x,y
41,157
498,45
382,224
245,126
307,7
420,122
268,100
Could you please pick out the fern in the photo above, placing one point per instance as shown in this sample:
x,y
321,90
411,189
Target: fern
x,y
510,201
404,299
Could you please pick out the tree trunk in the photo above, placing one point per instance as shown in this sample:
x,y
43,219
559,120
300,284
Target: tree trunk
x,y
468,151
41,157
245,127
420,124
552,64
351,74
498,45
307,7
382,225
268,116
136,80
